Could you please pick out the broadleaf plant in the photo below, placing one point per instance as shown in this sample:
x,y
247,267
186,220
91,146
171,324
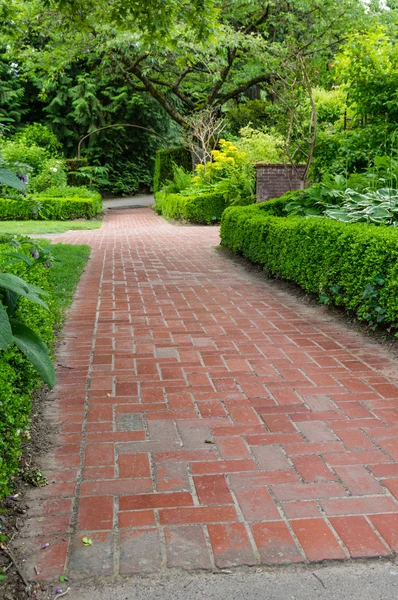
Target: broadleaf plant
x,y
14,331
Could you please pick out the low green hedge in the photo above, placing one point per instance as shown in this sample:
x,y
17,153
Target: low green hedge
x,y
203,208
354,266
18,378
277,206
164,165
49,208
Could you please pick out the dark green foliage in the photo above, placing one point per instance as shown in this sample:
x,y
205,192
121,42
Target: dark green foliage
x,y
201,208
350,151
277,206
259,114
164,165
72,164
334,260
80,101
11,93
39,135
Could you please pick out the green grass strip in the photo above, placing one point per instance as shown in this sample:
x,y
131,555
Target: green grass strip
x,y
37,227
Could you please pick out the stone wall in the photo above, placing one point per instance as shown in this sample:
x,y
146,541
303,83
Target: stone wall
x,y
273,181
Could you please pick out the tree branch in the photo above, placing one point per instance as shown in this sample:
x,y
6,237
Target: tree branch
x,y
171,86
245,86
155,93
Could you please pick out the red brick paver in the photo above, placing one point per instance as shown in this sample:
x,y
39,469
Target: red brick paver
x,y
207,419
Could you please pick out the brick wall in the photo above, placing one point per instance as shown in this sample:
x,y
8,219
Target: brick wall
x,y
275,180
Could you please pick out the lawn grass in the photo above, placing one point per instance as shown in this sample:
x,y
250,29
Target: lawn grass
x,y
65,274
36,227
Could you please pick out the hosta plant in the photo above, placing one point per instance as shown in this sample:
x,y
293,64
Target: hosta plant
x,y
379,207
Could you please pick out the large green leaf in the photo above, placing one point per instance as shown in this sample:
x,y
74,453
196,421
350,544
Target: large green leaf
x,y
17,257
35,350
14,284
5,330
9,179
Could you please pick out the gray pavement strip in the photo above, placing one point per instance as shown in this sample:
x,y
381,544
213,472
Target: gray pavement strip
x,y
368,580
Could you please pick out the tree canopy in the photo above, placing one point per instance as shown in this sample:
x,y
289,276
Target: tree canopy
x,y
77,65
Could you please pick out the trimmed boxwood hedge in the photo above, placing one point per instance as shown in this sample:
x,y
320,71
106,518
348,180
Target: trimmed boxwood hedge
x,y
49,208
164,165
350,265
203,208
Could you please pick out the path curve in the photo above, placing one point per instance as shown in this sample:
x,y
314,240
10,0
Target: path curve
x,y
208,420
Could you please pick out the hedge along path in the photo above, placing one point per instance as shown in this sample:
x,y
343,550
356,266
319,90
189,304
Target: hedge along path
x,y
207,420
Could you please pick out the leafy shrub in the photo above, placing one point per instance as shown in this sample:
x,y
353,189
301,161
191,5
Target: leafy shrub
x,y
337,261
200,208
260,145
51,175
228,179
25,159
278,207
73,164
18,378
330,105
350,151
37,134
181,181
67,191
229,173
258,114
164,165
54,209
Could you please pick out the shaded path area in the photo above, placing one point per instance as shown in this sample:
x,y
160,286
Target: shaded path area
x,y
208,420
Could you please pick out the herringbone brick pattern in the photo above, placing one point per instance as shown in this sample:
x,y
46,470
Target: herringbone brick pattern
x,y
207,420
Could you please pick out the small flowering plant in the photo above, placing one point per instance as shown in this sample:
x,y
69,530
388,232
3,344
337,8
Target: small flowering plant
x,y
230,173
224,160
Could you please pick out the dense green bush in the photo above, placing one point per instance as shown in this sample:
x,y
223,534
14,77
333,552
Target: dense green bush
x,y
18,378
201,208
260,145
37,134
68,191
259,114
53,209
35,164
350,151
165,159
350,265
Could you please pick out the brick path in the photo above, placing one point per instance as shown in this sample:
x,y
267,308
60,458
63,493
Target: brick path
x,y
207,419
